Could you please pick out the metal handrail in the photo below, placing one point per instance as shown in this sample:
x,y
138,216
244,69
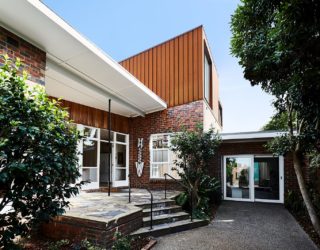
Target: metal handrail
x,y
151,199
190,190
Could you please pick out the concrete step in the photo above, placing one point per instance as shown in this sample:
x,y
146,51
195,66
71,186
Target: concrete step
x,y
169,228
166,218
161,210
156,204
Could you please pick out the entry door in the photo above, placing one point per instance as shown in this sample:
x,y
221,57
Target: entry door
x,y
120,160
238,178
89,157
253,178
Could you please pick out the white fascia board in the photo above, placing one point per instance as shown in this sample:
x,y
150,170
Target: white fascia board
x,y
94,49
250,135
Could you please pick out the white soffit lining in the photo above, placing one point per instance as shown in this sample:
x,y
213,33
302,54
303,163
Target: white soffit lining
x,y
251,135
36,23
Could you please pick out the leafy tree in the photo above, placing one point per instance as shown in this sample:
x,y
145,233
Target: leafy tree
x,y
195,149
278,46
279,121
38,156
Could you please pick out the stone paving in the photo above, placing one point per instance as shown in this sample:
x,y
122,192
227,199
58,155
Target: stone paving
x,y
242,225
99,206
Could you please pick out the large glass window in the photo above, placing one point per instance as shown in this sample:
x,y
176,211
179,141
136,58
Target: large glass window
x,y
207,78
161,157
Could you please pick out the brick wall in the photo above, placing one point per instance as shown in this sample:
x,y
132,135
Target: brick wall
x,y
169,120
33,59
99,232
235,148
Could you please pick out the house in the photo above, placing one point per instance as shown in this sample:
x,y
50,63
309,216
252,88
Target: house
x,y
152,94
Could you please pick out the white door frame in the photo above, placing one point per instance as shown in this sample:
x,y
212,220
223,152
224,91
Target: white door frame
x,y
122,183
251,179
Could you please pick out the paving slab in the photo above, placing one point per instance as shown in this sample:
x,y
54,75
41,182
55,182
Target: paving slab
x,y
243,225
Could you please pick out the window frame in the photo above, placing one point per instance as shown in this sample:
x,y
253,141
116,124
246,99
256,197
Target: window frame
x,y
206,57
170,152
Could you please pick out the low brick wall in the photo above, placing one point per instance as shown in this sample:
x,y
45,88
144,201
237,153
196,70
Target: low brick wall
x,y
98,232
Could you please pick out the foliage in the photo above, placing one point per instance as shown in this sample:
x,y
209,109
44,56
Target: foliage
x,y
279,121
57,245
38,155
121,242
194,150
278,46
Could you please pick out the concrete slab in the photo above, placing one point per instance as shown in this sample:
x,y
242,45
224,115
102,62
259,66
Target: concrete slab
x,y
241,225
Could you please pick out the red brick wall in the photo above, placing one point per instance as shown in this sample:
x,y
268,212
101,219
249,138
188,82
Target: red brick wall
x,y
98,232
235,148
33,59
169,120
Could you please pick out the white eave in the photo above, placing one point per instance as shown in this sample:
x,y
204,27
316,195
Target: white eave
x,y
255,135
77,70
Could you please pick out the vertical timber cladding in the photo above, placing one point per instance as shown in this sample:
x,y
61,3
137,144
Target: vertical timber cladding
x,y
89,116
173,69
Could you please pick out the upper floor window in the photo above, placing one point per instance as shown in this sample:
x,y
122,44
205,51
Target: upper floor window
x,y
161,157
207,78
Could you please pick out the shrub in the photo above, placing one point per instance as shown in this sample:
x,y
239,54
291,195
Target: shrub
x,y
38,156
195,149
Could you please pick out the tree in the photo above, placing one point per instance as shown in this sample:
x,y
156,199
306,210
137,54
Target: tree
x,y
279,122
38,156
278,46
194,150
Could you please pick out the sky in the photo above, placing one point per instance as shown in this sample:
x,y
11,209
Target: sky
x,y
125,27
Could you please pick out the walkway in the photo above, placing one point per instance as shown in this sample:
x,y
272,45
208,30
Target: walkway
x,y
241,225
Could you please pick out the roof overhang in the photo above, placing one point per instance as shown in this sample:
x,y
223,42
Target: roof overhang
x,y
250,136
77,70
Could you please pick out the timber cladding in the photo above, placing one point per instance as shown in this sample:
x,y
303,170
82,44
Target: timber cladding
x,y
89,116
173,69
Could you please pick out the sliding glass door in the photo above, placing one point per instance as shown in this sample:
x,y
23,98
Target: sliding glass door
x,y
253,178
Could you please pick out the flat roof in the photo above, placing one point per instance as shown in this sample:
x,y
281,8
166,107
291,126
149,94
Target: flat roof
x,y
251,135
77,70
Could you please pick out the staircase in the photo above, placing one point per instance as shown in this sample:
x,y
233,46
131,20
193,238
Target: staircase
x,y
168,218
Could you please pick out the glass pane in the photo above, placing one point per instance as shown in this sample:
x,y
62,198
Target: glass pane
x,y
104,162
121,156
238,177
120,175
104,134
207,73
154,171
89,153
158,170
89,174
90,132
160,141
121,138
266,178
160,156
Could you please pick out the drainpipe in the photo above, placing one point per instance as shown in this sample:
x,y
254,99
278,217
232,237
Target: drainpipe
x,y
110,146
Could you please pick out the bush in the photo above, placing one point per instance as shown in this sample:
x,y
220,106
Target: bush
x,y
121,242
195,149
38,156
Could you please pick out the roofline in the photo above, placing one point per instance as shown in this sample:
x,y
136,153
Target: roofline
x,y
251,135
161,43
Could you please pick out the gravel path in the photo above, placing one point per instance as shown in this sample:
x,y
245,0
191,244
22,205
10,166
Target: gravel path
x,y
242,225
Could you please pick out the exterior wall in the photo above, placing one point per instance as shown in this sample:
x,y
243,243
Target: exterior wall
x,y
95,117
101,233
169,120
33,59
173,69
255,148
209,120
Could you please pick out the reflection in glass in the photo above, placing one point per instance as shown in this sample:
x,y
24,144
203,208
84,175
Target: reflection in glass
x,y
238,177
89,174
89,153
266,178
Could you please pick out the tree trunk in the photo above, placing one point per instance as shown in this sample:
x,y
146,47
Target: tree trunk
x,y
297,163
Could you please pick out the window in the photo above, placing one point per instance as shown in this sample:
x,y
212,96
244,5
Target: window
x,y
161,157
207,78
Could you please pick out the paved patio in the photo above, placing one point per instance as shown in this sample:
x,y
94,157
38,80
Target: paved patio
x,y
99,206
241,225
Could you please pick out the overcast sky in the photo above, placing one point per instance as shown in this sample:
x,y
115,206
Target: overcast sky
x,y
125,27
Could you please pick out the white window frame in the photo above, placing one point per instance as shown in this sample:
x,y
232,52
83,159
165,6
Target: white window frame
x,y
169,162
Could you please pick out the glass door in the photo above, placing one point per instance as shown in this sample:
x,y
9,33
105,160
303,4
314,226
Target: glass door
x,y
120,160
89,157
238,178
